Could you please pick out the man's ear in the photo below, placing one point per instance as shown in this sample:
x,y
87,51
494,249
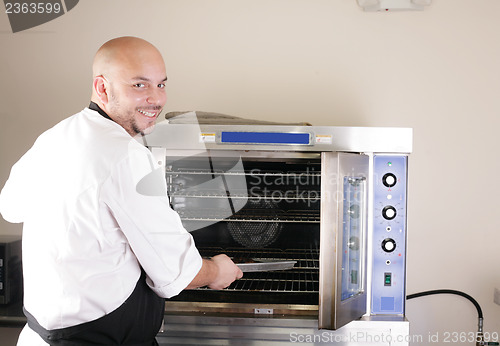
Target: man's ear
x,y
101,89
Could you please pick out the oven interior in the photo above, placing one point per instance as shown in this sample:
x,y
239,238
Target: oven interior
x,y
253,207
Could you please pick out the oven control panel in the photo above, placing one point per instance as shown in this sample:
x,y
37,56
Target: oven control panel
x,y
389,234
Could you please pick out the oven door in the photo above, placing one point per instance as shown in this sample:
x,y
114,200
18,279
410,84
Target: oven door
x,y
343,233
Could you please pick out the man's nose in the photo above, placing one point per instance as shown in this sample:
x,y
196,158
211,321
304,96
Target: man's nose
x,y
157,97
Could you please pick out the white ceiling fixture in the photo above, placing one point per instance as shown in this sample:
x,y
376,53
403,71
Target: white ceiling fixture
x,y
393,5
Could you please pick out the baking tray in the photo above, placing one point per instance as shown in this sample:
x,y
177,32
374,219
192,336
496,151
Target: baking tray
x,y
265,265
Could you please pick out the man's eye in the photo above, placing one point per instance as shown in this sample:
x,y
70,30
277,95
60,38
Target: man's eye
x,y
161,85
139,85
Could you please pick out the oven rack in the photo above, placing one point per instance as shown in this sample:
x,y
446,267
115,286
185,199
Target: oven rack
x,y
292,281
311,256
261,215
288,174
274,195
302,278
307,259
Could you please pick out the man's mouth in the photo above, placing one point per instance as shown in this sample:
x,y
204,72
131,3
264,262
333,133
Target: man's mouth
x,y
148,114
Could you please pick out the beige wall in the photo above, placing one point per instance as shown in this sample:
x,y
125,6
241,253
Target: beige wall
x,y
322,61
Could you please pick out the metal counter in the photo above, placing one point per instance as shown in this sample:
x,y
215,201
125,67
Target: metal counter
x,y
262,331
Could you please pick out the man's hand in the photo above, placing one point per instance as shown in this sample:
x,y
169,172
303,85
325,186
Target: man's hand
x,y
217,273
227,272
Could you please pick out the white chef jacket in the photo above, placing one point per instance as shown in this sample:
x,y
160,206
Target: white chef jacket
x,y
87,231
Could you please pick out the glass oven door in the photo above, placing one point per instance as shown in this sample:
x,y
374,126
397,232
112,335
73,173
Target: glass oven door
x,y
343,245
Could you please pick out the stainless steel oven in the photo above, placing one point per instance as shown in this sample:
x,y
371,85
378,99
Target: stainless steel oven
x,y
329,200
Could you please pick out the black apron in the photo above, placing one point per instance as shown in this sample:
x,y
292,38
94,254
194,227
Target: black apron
x,y
135,323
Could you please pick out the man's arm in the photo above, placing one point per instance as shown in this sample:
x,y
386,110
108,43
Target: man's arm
x,y
217,273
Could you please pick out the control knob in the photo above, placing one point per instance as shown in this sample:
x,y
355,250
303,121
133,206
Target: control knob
x,y
389,212
388,245
389,180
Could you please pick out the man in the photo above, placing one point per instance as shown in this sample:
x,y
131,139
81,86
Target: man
x,y
99,256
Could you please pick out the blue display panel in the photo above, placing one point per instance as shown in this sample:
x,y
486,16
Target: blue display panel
x,y
389,234
265,138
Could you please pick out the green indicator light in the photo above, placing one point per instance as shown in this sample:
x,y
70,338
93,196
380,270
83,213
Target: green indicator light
x,y
387,279
389,164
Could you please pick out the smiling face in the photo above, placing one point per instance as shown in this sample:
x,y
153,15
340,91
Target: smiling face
x,y
136,100
129,83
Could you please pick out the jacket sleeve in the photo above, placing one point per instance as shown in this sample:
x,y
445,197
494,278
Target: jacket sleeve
x,y
135,195
14,197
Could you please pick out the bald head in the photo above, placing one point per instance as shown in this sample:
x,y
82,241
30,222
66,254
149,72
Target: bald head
x,y
122,52
129,77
